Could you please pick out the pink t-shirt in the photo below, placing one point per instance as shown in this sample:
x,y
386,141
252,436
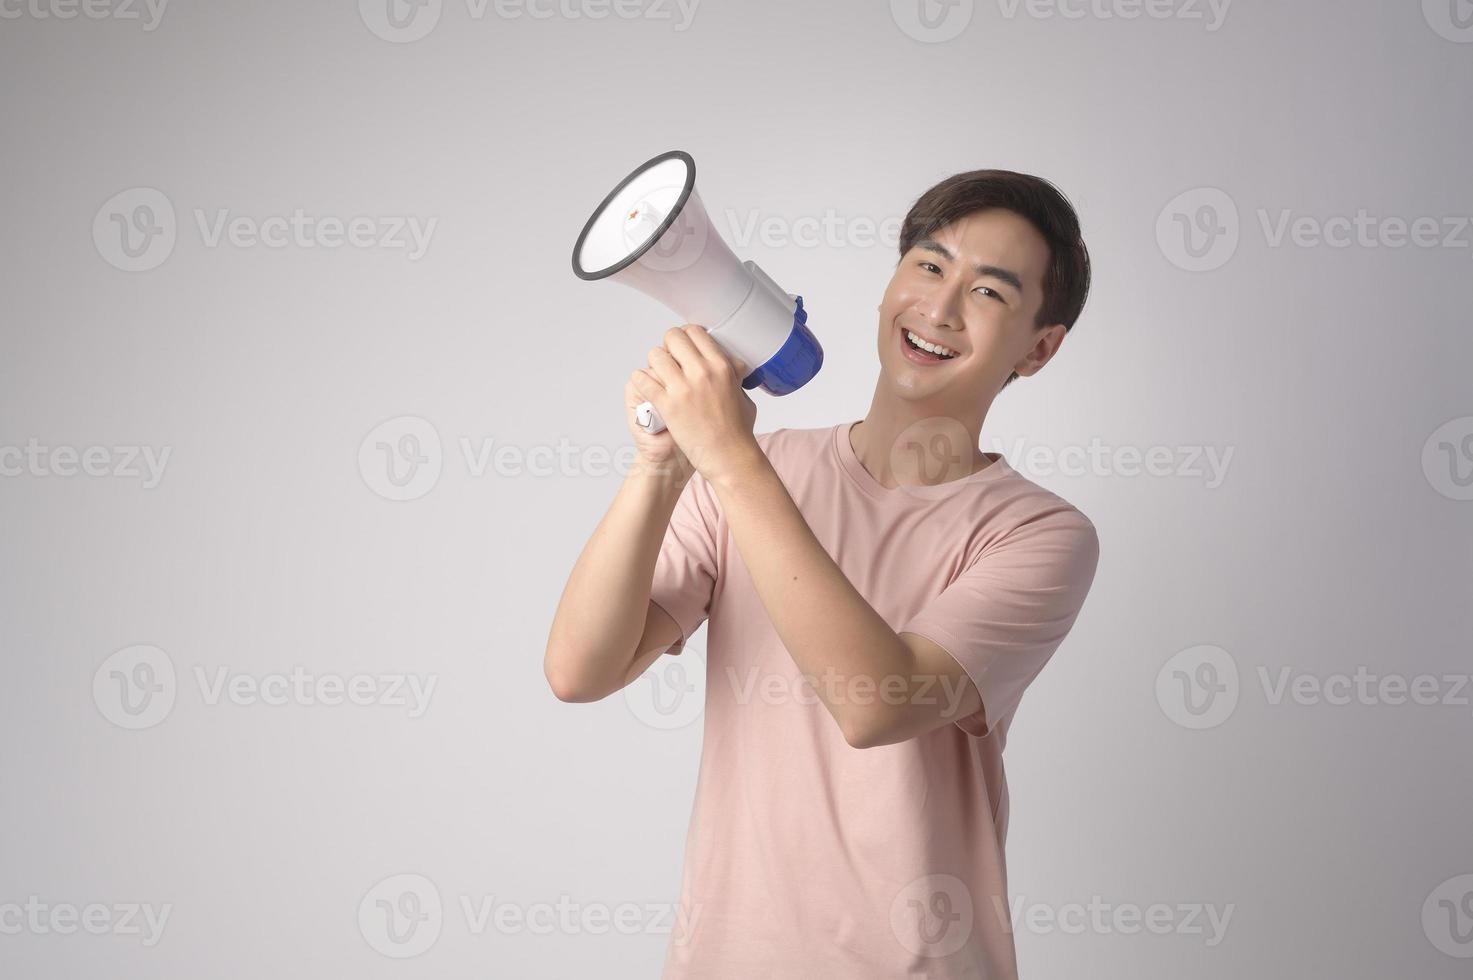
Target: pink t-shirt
x,y
806,857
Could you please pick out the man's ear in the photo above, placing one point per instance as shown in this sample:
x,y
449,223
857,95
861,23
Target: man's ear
x,y
1047,342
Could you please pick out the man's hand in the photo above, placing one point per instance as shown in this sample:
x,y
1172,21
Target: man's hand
x,y
657,453
697,389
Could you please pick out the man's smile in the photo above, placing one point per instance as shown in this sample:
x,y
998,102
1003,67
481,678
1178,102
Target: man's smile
x,y
922,350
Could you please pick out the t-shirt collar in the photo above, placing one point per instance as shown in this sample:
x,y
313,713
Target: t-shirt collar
x,y
850,464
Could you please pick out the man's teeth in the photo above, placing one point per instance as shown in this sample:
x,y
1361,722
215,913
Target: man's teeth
x,y
927,345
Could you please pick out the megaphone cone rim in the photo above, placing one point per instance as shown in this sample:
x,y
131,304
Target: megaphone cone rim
x,y
633,257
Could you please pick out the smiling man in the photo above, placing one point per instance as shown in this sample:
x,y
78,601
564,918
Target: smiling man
x,y
879,595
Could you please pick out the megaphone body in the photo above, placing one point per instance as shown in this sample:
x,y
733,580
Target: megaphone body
x,y
652,233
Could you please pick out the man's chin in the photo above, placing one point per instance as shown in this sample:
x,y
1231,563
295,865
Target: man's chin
x,y
915,384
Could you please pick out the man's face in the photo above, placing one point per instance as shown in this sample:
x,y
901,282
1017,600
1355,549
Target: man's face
x,y
986,316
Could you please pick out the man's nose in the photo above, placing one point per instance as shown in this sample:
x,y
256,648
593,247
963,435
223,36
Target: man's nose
x,y
939,306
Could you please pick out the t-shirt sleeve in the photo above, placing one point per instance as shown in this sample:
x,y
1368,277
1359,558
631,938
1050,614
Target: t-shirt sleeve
x,y
1007,612
686,569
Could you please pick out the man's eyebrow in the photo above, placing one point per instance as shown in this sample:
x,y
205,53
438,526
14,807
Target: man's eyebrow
x,y
996,272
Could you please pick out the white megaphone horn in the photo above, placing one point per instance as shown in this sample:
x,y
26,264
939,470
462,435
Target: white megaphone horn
x,y
653,233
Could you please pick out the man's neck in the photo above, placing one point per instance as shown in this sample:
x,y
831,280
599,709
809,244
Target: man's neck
x,y
917,447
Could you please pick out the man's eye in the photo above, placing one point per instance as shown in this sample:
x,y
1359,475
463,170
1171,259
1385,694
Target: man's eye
x,y
930,267
992,292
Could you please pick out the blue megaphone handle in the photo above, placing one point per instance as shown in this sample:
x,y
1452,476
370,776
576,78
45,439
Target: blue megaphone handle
x,y
794,364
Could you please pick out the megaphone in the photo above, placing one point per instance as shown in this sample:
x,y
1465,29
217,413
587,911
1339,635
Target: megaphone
x,y
653,234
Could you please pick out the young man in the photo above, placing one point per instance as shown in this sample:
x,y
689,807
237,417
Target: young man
x,y
896,586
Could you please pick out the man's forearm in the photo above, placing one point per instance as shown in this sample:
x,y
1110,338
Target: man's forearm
x,y
833,635
601,614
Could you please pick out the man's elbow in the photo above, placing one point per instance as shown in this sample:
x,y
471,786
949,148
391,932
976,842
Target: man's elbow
x,y
568,686
573,693
565,691
877,726
868,730
864,740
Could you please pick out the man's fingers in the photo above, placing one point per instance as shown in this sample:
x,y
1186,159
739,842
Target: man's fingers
x,y
647,384
700,338
663,365
678,344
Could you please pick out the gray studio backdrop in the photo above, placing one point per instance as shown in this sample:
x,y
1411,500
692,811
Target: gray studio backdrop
x,y
304,419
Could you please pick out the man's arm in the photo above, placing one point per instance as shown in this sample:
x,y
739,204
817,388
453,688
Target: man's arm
x,y
880,687
606,631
